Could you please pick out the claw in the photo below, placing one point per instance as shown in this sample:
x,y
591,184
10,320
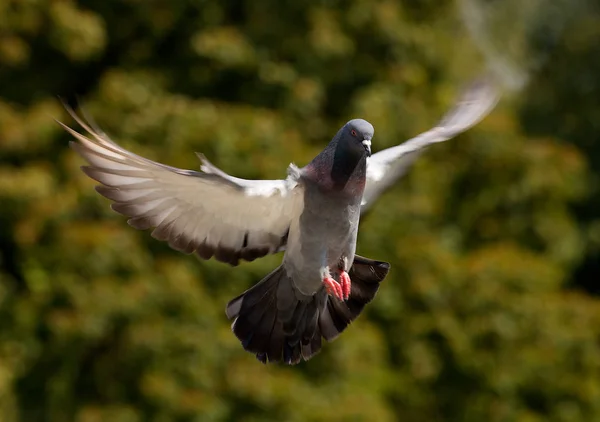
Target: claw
x,y
333,288
345,284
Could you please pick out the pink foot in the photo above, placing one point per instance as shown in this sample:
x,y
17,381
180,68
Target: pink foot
x,y
333,288
345,284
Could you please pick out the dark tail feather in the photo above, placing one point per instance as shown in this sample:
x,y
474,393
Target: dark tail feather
x,y
276,323
366,274
273,323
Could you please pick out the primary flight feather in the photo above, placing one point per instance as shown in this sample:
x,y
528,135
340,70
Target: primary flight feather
x,y
313,214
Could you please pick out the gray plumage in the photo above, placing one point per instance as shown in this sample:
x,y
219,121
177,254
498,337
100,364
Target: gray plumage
x,y
273,323
313,215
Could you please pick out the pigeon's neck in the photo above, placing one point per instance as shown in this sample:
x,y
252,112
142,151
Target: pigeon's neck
x,y
338,168
349,168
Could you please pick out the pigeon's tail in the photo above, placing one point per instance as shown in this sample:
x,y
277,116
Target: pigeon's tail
x,y
273,323
278,324
366,274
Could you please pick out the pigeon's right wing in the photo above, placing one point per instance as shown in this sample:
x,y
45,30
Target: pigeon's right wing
x,y
386,167
208,212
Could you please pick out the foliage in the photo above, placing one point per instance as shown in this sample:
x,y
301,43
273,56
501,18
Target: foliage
x,y
489,312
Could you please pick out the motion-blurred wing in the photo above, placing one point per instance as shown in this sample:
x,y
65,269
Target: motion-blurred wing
x,y
387,166
208,212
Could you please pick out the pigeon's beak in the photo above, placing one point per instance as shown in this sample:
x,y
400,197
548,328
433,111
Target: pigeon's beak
x,y
367,144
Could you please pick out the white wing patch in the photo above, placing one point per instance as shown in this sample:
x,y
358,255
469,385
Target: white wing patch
x,y
386,167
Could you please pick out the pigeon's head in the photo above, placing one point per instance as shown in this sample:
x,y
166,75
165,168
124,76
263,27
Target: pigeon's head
x,y
357,134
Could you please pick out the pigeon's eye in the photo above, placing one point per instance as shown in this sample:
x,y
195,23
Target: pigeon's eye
x,y
353,132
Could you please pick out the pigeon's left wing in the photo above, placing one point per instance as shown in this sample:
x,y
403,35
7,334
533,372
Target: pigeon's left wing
x,y
386,167
209,212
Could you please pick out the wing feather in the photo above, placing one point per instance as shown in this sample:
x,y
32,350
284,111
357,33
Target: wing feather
x,y
386,167
207,212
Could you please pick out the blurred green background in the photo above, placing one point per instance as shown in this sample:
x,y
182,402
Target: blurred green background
x,y
491,310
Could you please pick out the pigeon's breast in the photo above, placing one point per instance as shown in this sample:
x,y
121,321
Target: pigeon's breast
x,y
324,233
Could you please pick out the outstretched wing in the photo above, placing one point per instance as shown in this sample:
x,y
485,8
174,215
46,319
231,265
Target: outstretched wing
x,y
207,212
386,167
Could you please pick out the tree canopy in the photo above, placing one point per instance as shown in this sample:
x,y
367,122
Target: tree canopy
x,y
491,309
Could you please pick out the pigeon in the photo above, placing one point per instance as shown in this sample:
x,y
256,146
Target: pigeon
x,y
312,215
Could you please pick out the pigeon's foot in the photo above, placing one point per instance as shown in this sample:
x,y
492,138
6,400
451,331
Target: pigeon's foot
x,y
345,284
333,288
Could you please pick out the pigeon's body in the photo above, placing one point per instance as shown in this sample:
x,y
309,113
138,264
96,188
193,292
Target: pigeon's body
x,y
321,285
324,235
287,320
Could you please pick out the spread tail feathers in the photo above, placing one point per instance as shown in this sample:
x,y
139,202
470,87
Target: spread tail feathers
x,y
366,274
277,323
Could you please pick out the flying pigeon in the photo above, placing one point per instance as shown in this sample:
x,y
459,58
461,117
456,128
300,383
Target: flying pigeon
x,y
321,285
